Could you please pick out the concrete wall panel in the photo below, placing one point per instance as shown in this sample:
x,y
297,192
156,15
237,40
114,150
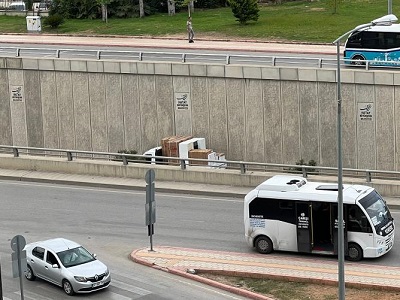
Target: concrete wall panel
x,y
48,94
200,108
218,115
65,103
328,124
148,111
17,108
254,134
98,112
80,94
115,116
183,117
349,126
309,126
366,146
33,105
397,127
272,103
290,122
5,113
236,115
385,129
165,107
131,109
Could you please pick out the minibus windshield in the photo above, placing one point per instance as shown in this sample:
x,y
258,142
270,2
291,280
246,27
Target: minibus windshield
x,y
377,210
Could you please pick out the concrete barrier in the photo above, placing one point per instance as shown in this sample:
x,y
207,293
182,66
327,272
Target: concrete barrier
x,y
193,174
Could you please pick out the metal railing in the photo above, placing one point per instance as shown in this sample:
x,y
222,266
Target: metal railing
x,y
241,166
182,57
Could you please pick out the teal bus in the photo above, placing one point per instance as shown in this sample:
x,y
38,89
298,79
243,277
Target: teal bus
x,y
379,45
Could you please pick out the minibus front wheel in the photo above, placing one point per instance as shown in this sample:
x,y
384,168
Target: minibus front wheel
x,y
355,252
264,245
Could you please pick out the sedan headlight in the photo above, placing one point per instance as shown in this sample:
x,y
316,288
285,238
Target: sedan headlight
x,y
107,272
80,278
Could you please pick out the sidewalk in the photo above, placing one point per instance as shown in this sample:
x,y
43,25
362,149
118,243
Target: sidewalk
x,y
189,262
167,43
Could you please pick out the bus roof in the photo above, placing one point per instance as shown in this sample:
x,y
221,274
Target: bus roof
x,y
298,188
390,28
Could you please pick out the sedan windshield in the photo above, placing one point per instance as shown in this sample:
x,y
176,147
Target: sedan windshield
x,y
74,257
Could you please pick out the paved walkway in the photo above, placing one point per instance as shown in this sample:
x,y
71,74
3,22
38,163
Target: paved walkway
x,y
168,43
189,262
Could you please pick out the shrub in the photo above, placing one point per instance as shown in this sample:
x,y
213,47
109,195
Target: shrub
x,y
54,21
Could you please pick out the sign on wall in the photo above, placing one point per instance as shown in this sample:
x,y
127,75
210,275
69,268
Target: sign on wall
x,y
365,111
182,101
17,93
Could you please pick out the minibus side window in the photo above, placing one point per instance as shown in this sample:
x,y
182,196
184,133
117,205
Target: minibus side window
x,y
357,221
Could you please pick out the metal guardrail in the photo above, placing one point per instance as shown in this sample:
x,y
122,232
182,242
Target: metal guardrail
x,y
225,59
241,166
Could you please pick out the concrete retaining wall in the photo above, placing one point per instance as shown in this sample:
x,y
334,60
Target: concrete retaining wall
x,y
250,113
202,175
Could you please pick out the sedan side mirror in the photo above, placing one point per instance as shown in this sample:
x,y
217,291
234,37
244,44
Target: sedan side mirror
x,y
94,255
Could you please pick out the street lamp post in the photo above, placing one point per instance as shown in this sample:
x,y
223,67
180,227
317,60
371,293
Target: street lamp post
x,y
385,21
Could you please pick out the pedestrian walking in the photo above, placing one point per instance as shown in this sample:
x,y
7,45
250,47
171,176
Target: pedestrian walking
x,y
189,27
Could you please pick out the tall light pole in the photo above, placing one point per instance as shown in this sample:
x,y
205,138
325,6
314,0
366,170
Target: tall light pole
x,y
389,7
385,20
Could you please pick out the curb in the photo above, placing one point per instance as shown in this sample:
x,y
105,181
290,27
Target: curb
x,y
225,287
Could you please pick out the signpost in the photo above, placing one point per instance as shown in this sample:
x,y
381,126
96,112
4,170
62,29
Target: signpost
x,y
18,257
150,205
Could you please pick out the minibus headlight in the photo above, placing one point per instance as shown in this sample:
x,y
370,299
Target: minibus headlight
x,y
380,242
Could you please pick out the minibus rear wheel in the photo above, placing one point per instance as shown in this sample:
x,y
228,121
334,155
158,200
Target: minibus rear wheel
x,y
264,245
355,252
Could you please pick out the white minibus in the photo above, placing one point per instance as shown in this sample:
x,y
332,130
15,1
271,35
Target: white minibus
x,y
289,213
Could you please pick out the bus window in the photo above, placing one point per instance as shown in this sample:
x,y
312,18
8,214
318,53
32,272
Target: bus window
x,y
377,211
357,221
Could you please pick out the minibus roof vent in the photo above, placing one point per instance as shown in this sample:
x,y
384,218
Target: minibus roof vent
x,y
327,187
283,183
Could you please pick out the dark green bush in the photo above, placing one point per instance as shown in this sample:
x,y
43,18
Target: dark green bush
x,y
54,21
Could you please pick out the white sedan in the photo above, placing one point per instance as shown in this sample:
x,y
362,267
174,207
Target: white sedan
x,y
66,264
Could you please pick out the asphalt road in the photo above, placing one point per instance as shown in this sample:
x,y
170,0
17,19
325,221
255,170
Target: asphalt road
x,y
111,223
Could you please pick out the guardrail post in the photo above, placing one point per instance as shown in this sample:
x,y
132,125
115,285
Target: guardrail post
x,y
69,155
183,164
58,53
17,53
320,63
140,56
367,65
242,168
98,54
228,59
368,176
15,151
184,57
273,60
304,171
124,160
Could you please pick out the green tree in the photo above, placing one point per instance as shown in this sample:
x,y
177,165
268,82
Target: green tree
x,y
245,10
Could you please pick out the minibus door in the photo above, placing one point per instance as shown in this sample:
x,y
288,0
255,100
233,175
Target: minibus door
x,y
304,226
335,227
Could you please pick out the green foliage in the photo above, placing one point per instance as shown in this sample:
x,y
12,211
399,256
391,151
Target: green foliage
x,y
76,9
54,21
245,10
128,157
301,162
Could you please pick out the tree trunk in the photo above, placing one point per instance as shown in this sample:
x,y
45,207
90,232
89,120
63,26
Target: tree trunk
x,y
103,13
171,7
141,9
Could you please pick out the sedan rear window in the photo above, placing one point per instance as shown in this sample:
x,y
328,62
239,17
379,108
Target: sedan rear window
x,y
38,252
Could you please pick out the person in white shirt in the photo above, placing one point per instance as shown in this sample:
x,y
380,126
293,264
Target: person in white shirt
x,y
189,27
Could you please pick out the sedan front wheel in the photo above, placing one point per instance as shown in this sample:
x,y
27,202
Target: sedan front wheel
x,y
68,288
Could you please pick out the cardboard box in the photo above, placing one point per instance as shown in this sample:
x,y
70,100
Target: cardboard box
x,y
201,154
